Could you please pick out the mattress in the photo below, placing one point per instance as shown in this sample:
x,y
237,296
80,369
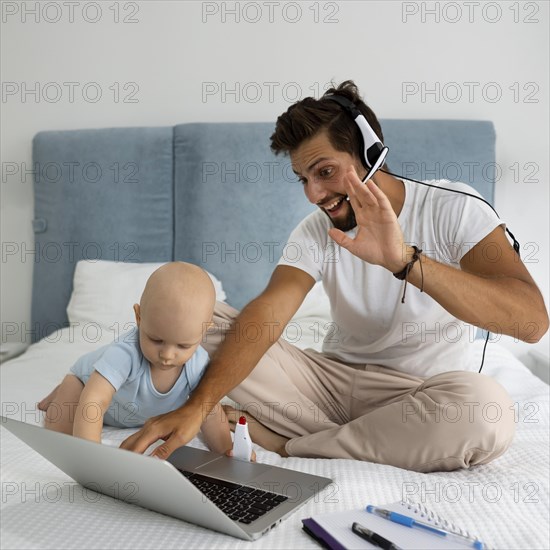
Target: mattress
x,y
505,502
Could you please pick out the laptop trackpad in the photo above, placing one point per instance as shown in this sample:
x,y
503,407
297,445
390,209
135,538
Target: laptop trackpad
x,y
231,469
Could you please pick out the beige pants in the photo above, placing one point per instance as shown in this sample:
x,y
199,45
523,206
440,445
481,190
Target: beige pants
x,y
332,409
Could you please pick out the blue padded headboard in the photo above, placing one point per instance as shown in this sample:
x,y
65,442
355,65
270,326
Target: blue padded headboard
x,y
127,214
236,203
212,194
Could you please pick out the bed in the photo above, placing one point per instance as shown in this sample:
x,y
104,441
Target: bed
x,y
111,204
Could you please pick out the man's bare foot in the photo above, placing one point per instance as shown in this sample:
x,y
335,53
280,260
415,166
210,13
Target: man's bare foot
x,y
45,403
259,433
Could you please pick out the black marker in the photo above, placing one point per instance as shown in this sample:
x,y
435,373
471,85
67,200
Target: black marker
x,y
372,537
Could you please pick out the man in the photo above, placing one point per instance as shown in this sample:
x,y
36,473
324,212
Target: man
x,y
377,392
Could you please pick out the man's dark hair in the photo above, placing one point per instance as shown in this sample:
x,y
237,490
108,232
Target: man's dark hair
x,y
308,117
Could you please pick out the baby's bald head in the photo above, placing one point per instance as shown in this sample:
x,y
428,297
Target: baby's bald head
x,y
181,295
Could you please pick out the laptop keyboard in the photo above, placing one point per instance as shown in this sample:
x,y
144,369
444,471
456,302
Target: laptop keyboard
x,y
239,502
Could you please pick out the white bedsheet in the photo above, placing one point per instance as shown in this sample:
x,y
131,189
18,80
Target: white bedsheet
x,y
505,502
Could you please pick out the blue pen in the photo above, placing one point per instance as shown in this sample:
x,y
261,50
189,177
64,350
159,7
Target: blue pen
x,y
414,524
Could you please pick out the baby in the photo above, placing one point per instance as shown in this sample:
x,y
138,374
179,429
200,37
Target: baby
x,y
151,370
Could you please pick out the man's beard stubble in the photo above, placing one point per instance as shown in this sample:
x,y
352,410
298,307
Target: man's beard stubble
x,y
348,223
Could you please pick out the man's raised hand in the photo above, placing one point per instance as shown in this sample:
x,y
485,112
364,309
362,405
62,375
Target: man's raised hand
x,y
379,239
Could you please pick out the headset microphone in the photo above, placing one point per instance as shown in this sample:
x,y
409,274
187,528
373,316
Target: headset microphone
x,y
374,151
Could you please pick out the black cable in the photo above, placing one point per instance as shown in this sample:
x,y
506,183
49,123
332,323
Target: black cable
x,y
483,356
515,245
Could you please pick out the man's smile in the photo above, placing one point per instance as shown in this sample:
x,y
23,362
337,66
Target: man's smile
x,y
333,208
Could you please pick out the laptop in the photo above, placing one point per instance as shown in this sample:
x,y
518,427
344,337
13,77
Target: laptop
x,y
242,499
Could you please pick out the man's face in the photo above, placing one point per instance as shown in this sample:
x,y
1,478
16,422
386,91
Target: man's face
x,y
321,170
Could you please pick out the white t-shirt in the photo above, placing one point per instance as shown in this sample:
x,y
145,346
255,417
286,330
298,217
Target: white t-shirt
x,y
370,324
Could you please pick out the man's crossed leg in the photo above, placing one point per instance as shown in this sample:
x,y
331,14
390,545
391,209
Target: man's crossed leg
x,y
302,403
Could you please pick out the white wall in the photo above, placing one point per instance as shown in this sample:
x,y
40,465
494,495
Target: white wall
x,y
177,51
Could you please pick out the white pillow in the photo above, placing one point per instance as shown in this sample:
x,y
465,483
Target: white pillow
x,y
104,292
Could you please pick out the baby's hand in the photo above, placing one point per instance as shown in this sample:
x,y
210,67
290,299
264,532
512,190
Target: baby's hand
x,y
229,452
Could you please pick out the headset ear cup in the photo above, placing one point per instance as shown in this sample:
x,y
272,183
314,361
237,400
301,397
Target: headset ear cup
x,y
373,153
377,164
371,146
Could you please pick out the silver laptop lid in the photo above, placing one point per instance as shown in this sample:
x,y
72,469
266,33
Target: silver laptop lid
x,y
158,485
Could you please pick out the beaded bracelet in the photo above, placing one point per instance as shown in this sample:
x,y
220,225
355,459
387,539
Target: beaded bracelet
x,y
404,273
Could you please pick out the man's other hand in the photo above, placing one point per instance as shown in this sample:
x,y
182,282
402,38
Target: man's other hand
x,y
176,428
